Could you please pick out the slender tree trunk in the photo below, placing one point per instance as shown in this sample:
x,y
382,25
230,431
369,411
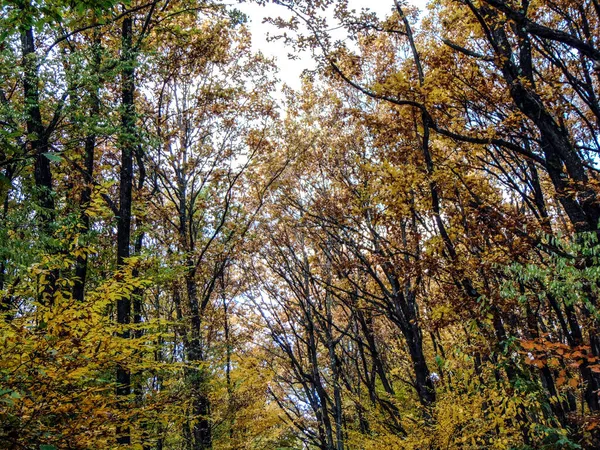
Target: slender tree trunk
x,y
202,429
335,369
86,195
37,133
228,354
127,143
38,139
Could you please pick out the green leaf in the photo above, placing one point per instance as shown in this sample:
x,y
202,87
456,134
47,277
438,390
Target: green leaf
x,y
53,157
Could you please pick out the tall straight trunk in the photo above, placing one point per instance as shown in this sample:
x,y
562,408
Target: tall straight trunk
x,y
228,354
198,436
331,344
38,139
202,430
424,384
337,391
127,144
138,333
36,130
138,295
89,148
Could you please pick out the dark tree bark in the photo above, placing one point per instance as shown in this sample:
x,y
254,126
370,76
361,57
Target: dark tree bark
x,y
202,429
127,144
38,136
556,144
89,148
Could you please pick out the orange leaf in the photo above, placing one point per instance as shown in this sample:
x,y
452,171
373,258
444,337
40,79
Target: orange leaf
x,y
527,345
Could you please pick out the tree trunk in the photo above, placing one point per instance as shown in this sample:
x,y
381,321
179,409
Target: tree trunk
x,y
89,148
202,429
127,143
38,139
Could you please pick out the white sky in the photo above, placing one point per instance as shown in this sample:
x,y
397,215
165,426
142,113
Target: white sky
x,y
290,70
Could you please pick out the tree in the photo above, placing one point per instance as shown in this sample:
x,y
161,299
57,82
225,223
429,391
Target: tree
x,y
402,253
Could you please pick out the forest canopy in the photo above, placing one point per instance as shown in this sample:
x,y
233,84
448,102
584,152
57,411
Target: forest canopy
x,y
403,252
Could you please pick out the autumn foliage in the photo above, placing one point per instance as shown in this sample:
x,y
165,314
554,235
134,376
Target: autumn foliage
x,y
401,253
